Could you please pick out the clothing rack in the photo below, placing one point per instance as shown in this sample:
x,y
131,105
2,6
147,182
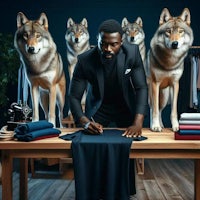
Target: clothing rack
x,y
194,50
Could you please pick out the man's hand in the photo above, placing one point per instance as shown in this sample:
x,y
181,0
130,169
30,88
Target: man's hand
x,y
133,131
136,129
91,127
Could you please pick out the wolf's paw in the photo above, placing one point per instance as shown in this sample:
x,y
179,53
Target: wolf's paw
x,y
175,125
156,128
175,128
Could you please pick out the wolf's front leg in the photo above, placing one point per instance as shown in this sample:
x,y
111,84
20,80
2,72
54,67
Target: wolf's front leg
x,y
35,102
155,122
174,100
155,126
52,105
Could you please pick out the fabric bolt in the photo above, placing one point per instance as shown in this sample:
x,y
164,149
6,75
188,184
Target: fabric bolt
x,y
198,79
194,81
191,83
33,135
32,126
101,165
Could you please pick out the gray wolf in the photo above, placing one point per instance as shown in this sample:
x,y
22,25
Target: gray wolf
x,y
43,66
165,61
134,34
77,41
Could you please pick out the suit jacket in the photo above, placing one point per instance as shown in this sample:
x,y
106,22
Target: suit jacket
x,y
131,76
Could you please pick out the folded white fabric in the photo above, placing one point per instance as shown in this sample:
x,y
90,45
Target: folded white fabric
x,y
187,121
190,116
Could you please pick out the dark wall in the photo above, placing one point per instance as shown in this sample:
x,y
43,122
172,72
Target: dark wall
x,y
59,11
95,11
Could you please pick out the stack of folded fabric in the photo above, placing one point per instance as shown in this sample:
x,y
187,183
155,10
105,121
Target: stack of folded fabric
x,y
189,127
5,134
35,131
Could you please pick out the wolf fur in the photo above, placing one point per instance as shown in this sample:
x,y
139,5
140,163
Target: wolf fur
x,y
134,34
77,41
43,66
168,49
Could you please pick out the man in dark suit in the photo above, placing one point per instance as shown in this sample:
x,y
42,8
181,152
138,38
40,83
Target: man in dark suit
x,y
114,76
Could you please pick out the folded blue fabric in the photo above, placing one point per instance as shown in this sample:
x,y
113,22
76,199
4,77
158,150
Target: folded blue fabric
x,y
37,134
189,132
32,126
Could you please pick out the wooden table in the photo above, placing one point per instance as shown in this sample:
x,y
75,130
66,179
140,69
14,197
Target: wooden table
x,y
157,146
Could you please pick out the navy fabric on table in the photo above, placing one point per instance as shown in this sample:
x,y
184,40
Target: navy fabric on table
x,y
32,126
101,165
33,135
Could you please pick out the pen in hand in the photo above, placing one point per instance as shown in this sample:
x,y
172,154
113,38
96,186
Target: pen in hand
x,y
100,130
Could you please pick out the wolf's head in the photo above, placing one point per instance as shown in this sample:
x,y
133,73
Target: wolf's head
x,y
77,34
133,32
32,36
176,31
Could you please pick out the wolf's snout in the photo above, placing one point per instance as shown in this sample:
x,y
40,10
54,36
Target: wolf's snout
x,y
76,40
31,50
132,39
174,45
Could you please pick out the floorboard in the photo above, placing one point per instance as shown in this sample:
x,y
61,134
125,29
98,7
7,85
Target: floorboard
x,y
171,179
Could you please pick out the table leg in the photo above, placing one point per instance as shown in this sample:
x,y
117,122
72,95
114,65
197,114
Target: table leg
x,y
23,179
7,167
197,180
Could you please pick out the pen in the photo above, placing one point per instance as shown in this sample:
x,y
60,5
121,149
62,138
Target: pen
x,y
92,119
95,122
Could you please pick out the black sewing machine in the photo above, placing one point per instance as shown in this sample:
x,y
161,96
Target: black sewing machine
x,y
18,113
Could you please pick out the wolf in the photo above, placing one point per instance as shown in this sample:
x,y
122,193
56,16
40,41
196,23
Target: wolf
x,y
165,60
134,34
42,65
77,41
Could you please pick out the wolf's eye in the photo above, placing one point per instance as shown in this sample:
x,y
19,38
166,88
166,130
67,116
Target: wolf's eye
x,y
37,35
168,31
181,30
25,36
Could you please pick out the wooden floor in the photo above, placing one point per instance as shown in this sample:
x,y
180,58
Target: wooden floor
x,y
163,180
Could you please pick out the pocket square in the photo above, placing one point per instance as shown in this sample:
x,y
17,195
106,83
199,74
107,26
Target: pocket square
x,y
127,71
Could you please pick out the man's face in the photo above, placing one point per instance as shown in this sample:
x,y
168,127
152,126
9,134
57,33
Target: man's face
x,y
109,44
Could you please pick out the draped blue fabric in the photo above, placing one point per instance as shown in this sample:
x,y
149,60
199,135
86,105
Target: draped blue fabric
x,y
101,165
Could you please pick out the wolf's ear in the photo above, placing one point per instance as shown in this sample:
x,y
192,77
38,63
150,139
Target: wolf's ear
x,y
165,16
185,16
84,22
21,19
70,22
43,21
124,22
139,21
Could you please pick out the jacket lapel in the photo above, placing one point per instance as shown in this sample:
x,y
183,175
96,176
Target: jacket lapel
x,y
100,78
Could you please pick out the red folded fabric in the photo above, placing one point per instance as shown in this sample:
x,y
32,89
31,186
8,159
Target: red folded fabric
x,y
177,136
189,126
47,136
